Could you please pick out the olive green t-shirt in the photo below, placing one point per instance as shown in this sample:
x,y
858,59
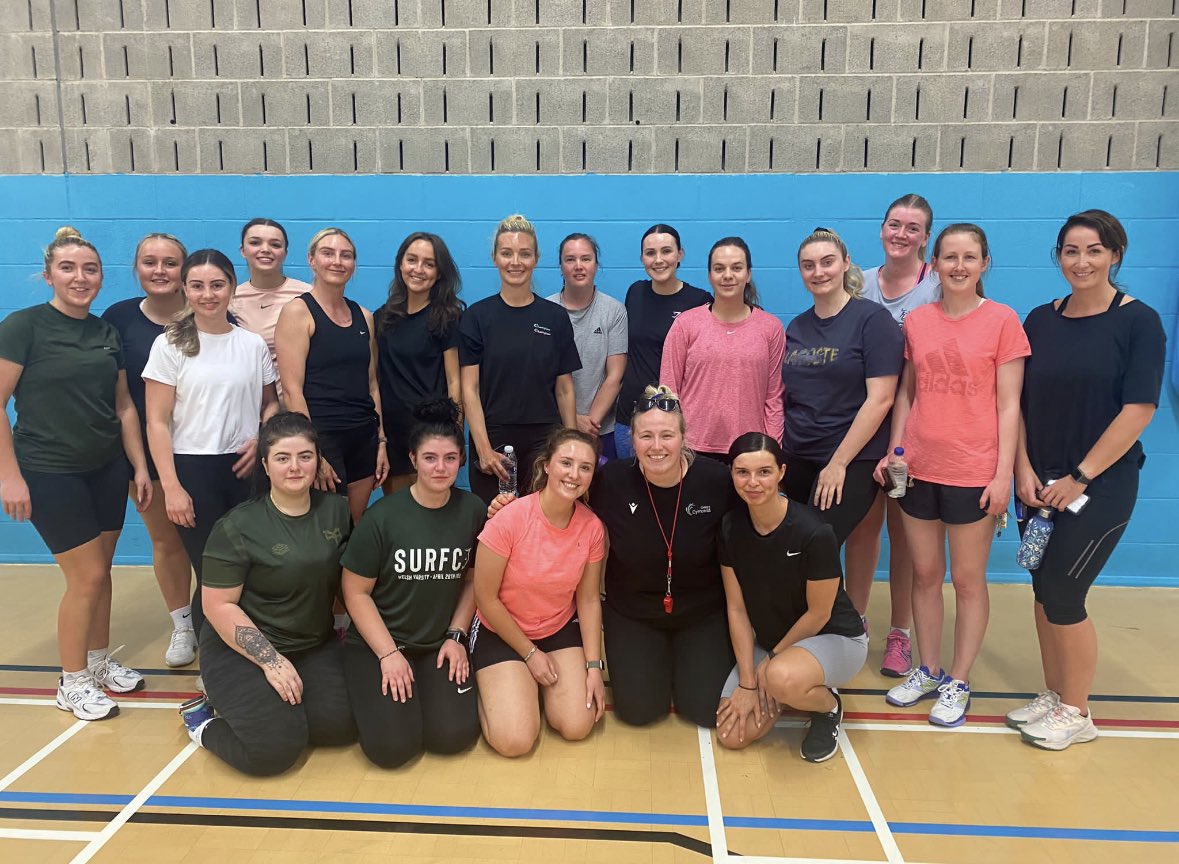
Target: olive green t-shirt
x,y
65,398
418,557
287,566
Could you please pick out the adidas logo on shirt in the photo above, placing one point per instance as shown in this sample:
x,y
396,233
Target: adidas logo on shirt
x,y
598,331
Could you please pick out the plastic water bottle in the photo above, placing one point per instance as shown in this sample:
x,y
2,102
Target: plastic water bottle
x,y
898,471
1035,539
508,487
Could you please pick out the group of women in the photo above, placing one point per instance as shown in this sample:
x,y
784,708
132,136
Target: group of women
x,y
708,552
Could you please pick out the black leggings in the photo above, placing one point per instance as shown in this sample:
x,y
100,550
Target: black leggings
x,y
440,717
652,667
214,490
257,732
1082,543
859,492
528,441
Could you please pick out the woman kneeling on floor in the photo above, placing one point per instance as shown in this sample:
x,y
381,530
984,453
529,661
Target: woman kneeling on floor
x,y
795,632
271,569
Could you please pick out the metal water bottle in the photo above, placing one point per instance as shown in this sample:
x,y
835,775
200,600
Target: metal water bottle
x,y
509,487
898,471
1035,539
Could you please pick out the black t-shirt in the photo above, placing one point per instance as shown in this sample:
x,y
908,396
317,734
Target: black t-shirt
x,y
773,571
649,316
636,567
520,352
827,363
410,368
1081,372
138,332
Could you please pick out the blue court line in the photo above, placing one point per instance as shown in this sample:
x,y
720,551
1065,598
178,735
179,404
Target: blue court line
x,y
1031,832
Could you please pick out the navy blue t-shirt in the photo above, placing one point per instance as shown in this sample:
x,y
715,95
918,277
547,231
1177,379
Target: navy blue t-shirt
x,y
138,332
828,362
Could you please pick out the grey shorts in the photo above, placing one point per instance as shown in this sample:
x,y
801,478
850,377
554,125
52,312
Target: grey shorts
x,y
841,657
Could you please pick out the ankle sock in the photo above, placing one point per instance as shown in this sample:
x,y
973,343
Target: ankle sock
x,y
93,658
341,620
71,677
904,631
182,618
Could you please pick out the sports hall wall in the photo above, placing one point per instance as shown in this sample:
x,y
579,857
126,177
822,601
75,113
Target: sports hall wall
x,y
762,118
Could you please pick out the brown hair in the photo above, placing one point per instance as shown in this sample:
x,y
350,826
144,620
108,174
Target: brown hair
x,y
965,228
1109,231
182,331
557,437
916,202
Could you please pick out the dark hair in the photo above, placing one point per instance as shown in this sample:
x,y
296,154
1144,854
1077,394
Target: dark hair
x,y
1109,231
660,228
577,235
557,437
436,418
445,307
284,424
750,295
965,228
269,223
755,442
182,330
916,202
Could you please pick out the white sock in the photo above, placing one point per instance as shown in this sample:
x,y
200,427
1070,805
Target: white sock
x,y
182,618
904,631
93,658
198,733
71,677
342,620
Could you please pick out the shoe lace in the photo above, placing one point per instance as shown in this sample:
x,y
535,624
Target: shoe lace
x,y
109,665
86,688
1046,701
950,693
178,637
918,680
1060,716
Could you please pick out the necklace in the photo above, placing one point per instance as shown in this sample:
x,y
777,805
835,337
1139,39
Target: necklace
x,y
668,602
284,511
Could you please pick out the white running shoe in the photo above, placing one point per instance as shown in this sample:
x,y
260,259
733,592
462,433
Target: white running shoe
x,y
85,699
919,685
113,675
1037,709
953,700
181,647
1062,726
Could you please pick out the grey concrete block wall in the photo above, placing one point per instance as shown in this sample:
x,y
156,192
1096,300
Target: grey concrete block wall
x,y
567,86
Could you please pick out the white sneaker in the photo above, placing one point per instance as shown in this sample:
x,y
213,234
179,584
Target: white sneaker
x,y
953,699
113,675
85,699
1062,726
919,685
200,684
181,647
1037,709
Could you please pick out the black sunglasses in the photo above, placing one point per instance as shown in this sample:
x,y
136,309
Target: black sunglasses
x,y
663,403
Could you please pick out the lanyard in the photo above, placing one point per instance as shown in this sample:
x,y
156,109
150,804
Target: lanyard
x,y
668,602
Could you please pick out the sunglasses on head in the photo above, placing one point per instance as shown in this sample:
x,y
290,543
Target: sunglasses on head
x,y
663,403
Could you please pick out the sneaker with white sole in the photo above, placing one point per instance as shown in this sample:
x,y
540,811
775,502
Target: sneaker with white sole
x,y
898,655
181,647
114,676
953,700
822,738
1062,726
196,713
1037,709
919,685
85,699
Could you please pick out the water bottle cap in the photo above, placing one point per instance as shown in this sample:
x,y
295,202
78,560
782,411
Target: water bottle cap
x,y
899,451
508,448
1046,512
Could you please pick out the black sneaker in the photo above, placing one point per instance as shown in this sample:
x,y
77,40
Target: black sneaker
x,y
822,738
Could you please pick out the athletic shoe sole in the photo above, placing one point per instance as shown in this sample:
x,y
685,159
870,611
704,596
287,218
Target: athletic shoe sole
x,y
954,724
891,701
138,686
834,750
66,707
1044,744
892,673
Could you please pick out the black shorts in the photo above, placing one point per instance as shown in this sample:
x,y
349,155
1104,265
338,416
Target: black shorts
x,y
72,509
487,648
352,453
954,505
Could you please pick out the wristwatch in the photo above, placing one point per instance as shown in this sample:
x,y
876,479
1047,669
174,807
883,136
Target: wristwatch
x,y
595,664
1081,477
458,636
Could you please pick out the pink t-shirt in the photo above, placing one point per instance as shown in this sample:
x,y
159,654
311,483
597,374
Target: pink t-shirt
x,y
728,376
952,433
257,311
545,563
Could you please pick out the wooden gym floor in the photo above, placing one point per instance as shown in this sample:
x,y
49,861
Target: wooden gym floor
x,y
134,789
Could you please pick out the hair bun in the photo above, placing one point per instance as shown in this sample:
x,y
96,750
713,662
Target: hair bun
x,y
66,231
441,410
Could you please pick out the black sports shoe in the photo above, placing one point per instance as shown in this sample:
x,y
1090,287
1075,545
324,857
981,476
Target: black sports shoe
x,y
822,738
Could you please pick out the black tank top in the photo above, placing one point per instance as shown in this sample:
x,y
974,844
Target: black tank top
x,y
335,381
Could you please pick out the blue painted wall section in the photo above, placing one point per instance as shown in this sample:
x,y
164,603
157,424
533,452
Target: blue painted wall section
x,y
1020,212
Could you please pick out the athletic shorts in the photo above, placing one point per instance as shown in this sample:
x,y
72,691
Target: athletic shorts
x,y
72,509
352,453
842,658
487,648
953,505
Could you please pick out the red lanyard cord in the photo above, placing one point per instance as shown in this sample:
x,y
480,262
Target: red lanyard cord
x,y
668,602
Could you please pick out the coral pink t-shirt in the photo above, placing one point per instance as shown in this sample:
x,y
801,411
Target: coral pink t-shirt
x,y
545,563
952,433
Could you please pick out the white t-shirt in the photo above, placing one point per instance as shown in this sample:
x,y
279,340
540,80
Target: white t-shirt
x,y
218,392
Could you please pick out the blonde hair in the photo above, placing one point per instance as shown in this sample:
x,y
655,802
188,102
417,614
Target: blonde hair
x,y
65,236
653,391
322,234
158,235
853,278
515,224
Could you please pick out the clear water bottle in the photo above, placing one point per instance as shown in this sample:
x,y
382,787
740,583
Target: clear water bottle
x,y
898,472
508,487
1036,535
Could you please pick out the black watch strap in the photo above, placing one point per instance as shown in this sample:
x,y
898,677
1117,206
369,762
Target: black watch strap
x,y
1081,477
458,636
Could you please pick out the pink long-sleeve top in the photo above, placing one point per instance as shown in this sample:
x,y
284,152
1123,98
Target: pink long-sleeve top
x,y
728,376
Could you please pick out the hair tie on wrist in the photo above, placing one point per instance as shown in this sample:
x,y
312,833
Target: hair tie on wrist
x,y
743,687
528,656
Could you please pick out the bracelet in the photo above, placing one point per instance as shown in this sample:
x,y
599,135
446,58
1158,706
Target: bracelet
x,y
743,687
390,654
381,439
528,656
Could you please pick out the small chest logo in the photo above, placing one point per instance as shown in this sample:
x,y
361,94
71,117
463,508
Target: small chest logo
x,y
598,331
333,535
541,330
280,549
633,507
698,509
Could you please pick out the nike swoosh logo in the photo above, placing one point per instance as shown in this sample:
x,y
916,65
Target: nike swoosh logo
x,y
792,554
265,305
466,689
363,333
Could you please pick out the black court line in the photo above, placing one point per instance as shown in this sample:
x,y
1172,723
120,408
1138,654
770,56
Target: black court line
x,y
456,829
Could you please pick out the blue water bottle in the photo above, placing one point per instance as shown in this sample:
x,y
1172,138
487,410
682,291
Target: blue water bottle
x,y
1035,539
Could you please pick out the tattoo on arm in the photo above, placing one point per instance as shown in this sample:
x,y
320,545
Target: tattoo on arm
x,y
256,646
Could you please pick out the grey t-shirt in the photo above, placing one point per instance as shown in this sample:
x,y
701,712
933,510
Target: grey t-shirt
x,y
599,330
927,290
